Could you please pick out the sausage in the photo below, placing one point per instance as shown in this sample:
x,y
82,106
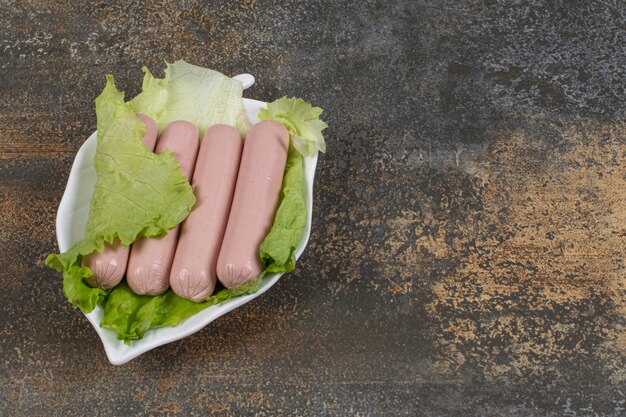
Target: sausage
x,y
254,204
108,267
151,259
193,274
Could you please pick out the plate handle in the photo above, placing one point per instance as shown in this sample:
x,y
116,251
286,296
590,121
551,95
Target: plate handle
x,y
246,79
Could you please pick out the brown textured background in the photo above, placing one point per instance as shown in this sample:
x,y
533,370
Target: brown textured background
x,y
469,238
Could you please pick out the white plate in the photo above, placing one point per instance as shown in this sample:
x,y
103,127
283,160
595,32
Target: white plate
x,y
71,220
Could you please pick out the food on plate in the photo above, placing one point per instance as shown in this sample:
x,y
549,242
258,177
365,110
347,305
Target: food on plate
x,y
193,273
139,194
128,199
254,203
151,259
278,250
109,266
188,92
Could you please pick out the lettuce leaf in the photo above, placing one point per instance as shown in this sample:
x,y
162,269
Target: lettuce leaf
x,y
278,249
131,315
187,92
301,120
136,193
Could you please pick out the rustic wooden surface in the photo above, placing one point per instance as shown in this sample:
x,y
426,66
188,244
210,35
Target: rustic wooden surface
x,y
468,247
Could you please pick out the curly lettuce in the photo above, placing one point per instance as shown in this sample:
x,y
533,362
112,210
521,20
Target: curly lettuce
x,y
187,92
278,249
302,120
130,315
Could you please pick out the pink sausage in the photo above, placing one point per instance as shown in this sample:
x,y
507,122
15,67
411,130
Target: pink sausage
x,y
108,267
256,196
151,259
193,273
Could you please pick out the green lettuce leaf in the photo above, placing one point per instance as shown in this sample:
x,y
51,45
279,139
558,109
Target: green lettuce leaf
x,y
278,249
187,92
301,120
136,193
131,315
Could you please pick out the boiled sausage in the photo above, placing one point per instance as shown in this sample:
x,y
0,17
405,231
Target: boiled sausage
x,y
193,274
254,203
151,259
